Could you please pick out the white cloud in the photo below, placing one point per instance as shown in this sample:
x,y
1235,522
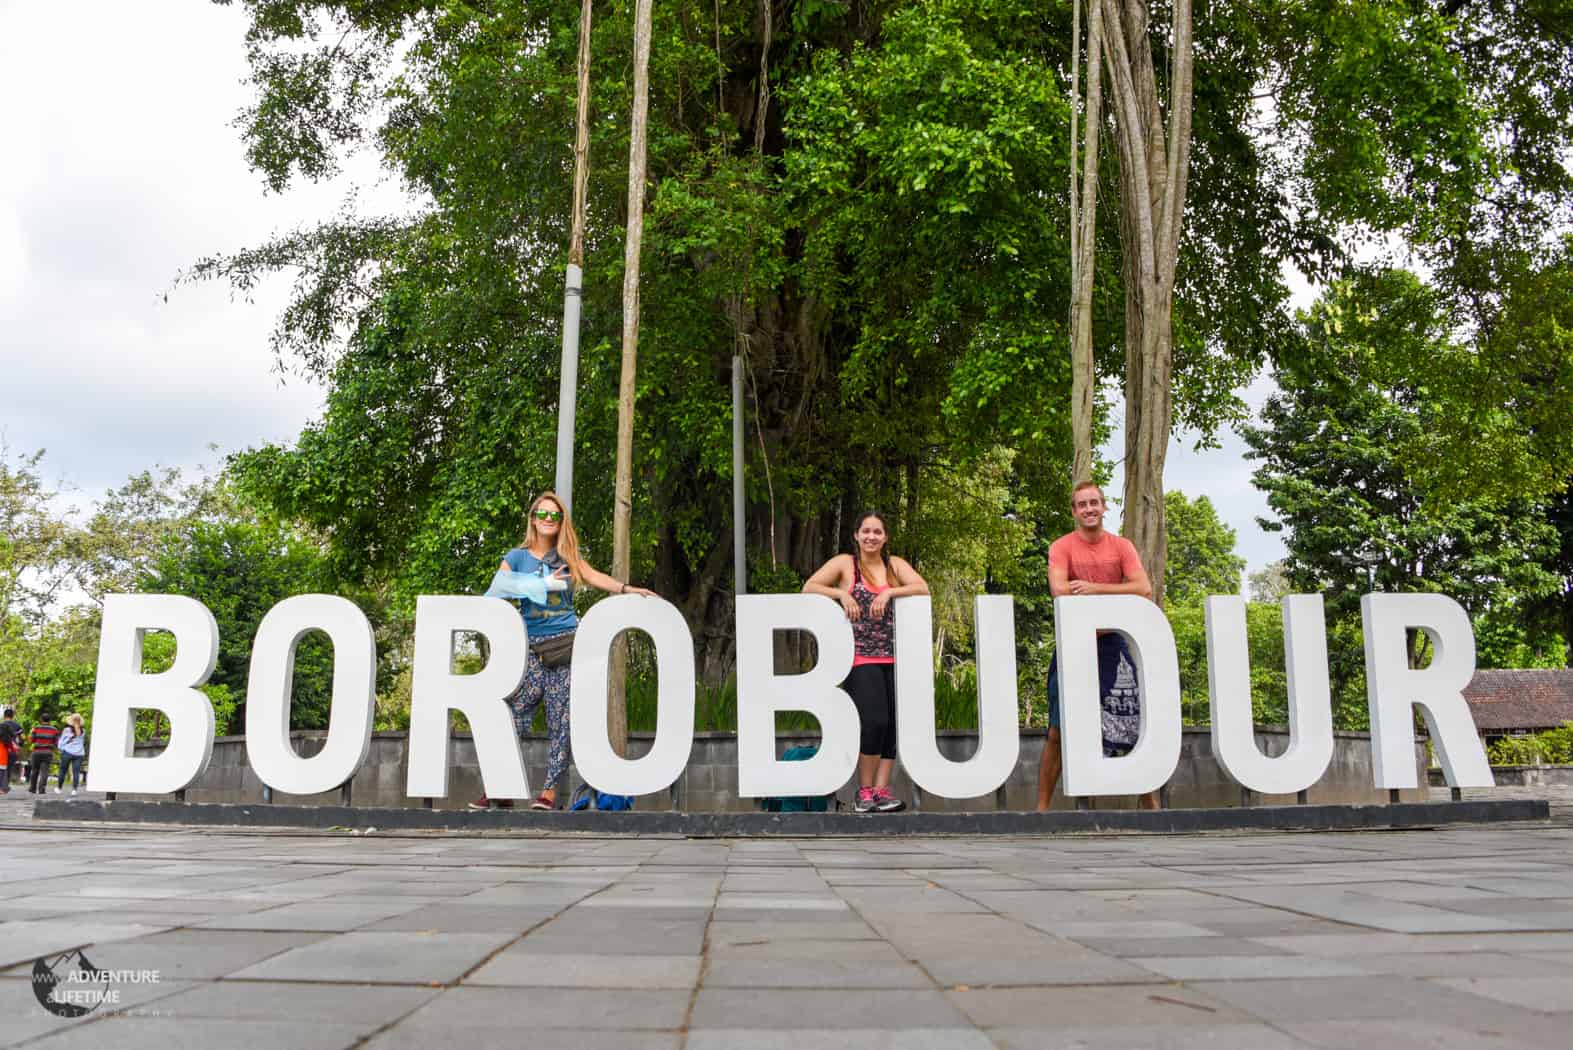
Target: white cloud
x,y
122,168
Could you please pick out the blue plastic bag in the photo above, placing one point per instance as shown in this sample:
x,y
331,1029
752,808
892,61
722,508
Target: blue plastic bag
x,y
585,796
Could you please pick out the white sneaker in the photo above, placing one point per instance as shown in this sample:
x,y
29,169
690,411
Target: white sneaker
x,y
73,792
57,789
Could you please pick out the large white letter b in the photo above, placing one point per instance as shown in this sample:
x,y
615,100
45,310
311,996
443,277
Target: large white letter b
x,y
122,688
761,693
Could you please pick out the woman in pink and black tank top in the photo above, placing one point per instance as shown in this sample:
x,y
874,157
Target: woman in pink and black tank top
x,y
864,582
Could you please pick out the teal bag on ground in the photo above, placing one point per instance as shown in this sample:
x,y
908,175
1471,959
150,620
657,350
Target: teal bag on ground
x,y
798,803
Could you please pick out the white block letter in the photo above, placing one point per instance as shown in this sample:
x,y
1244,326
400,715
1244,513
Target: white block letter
x,y
1151,762
600,766
1310,698
268,691
999,739
761,693
122,688
1392,688
480,697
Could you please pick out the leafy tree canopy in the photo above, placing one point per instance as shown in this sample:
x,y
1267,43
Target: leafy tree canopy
x,y
1201,558
1335,452
867,201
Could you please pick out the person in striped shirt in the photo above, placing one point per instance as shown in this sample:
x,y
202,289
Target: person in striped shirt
x,y
43,739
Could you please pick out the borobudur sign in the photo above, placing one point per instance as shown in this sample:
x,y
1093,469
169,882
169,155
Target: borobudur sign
x,y
1394,689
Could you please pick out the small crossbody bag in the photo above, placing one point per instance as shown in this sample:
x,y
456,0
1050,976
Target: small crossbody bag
x,y
555,651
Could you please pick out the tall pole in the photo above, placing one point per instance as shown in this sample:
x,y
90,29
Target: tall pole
x,y
1084,214
572,293
739,556
622,511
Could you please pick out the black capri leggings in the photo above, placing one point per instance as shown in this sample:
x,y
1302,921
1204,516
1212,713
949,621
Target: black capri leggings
x,y
873,689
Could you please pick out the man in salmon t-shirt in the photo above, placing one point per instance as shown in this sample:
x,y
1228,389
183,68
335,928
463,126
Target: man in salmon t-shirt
x,y
1092,560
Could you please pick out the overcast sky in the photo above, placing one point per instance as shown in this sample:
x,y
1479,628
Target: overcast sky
x,y
121,168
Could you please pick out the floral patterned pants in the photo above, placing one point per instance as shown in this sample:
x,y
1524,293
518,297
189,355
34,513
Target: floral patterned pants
x,y
549,684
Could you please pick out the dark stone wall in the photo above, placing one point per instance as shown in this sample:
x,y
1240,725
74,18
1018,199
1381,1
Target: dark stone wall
x,y
709,783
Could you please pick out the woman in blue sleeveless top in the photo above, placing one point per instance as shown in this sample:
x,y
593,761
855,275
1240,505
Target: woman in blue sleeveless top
x,y
550,551
864,582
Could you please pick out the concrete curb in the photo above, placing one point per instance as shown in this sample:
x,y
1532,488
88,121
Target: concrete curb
x,y
800,825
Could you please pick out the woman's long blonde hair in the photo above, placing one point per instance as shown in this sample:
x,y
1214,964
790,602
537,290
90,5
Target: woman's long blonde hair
x,y
567,539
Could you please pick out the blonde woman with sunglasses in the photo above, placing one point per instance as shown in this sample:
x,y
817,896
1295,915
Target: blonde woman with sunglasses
x,y
541,574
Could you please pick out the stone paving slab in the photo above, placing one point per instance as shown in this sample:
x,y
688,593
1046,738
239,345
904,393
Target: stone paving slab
x,y
571,1009
190,954
1407,1034
546,971
423,1035
1145,1037
1453,937
839,1039
207,1034
383,957
774,1007
366,1006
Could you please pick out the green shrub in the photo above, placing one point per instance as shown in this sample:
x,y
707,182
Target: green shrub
x,y
1553,747
1514,751
1556,745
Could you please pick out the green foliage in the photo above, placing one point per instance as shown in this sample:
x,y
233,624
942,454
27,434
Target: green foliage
x,y
57,690
956,698
945,133
881,240
972,535
240,570
1201,558
129,527
1550,747
715,707
34,565
1338,471
1511,637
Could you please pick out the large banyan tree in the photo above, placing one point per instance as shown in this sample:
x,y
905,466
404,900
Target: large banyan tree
x,y
867,200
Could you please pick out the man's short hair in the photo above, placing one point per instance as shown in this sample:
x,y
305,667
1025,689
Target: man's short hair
x,y
10,712
1089,484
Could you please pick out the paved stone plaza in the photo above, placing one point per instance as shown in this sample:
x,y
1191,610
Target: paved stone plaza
x,y
1458,937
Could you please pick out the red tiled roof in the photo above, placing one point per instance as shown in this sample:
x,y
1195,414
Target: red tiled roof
x,y
1520,699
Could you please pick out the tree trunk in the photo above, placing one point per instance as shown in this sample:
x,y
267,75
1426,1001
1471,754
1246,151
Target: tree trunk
x,y
1154,163
1084,211
622,515
581,146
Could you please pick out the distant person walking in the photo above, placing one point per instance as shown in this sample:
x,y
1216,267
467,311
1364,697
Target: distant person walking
x,y
865,582
10,747
540,574
43,739
1092,560
73,749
